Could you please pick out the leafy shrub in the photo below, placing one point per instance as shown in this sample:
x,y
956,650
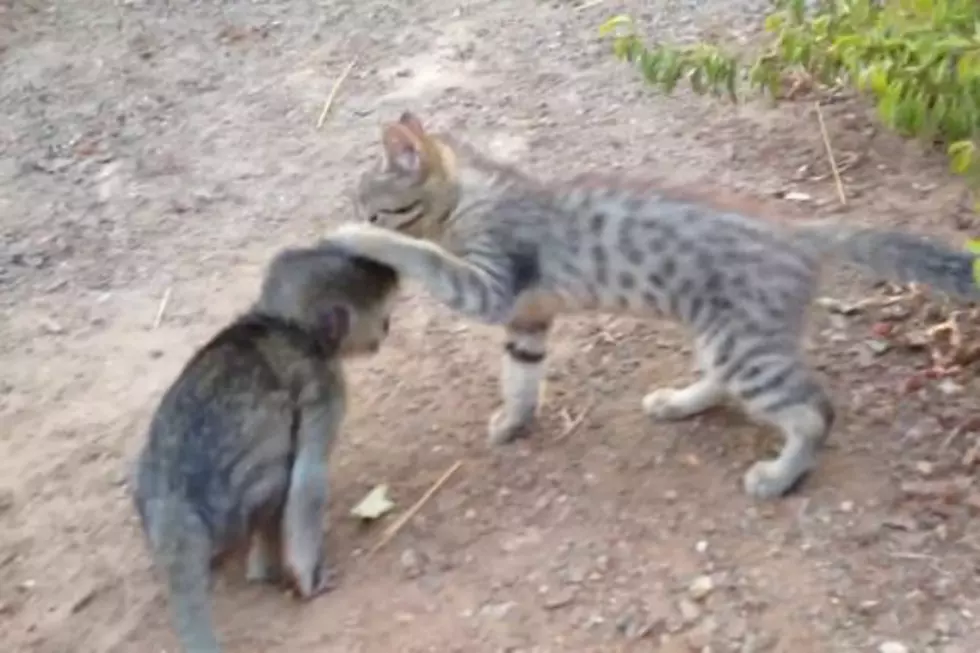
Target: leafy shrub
x,y
918,59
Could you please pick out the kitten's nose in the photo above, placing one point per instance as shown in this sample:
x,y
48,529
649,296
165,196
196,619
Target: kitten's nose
x,y
373,218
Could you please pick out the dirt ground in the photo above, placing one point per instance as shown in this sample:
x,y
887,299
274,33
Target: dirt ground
x,y
169,148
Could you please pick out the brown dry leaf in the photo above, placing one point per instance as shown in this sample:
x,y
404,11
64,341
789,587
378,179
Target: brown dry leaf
x,y
945,489
233,34
972,456
901,522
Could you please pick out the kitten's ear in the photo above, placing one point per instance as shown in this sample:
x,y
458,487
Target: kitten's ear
x,y
334,322
402,150
412,124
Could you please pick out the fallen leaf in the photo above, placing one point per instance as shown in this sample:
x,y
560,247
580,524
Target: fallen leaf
x,y
901,523
946,489
878,347
374,505
837,306
913,383
881,329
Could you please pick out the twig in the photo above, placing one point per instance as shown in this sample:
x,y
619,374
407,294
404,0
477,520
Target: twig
x,y
830,155
954,434
401,521
589,5
573,425
162,308
333,92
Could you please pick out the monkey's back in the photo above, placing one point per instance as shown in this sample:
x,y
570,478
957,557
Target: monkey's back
x,y
221,442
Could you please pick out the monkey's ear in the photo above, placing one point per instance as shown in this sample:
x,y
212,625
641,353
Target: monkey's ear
x,y
334,322
403,151
412,123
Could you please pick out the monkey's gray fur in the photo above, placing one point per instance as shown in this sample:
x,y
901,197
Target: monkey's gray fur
x,y
237,451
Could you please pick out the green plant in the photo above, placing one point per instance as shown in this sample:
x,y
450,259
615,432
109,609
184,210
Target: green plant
x,y
918,59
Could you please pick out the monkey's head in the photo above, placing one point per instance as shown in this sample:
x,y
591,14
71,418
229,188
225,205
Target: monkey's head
x,y
344,301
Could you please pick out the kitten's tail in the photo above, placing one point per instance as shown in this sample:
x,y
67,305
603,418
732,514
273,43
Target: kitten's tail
x,y
901,257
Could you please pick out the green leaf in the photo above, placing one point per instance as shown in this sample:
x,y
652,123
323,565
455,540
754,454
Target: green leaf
x,y
973,246
774,22
614,23
961,156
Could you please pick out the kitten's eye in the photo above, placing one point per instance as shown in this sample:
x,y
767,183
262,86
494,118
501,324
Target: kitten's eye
x,y
409,208
386,325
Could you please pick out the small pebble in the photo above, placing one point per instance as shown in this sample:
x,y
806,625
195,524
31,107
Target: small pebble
x,y
559,599
701,587
411,564
689,610
924,467
893,647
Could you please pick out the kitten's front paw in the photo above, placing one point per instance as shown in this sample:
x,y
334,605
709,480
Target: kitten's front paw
x,y
325,580
767,479
503,428
662,405
320,580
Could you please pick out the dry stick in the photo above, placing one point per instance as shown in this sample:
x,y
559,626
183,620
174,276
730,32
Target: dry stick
x,y
333,92
830,155
162,308
577,422
397,526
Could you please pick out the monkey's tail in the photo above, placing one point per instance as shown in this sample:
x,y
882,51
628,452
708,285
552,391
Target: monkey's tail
x,y
898,256
184,553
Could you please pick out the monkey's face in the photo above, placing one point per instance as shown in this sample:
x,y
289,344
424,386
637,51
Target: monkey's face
x,y
367,329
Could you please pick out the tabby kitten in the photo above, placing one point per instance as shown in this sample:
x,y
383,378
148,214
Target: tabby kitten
x,y
498,246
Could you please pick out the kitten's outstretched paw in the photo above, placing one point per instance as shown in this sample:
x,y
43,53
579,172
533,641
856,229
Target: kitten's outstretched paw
x,y
767,479
662,405
503,428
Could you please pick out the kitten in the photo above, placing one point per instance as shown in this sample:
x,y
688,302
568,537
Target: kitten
x,y
503,248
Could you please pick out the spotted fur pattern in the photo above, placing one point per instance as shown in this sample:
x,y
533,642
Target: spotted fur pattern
x,y
494,244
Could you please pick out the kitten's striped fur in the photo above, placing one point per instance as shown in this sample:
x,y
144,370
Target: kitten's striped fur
x,y
498,246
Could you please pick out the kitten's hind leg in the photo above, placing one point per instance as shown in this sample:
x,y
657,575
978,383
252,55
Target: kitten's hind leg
x,y
521,381
779,388
668,404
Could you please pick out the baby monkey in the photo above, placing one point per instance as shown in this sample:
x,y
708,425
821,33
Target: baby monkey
x,y
237,451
